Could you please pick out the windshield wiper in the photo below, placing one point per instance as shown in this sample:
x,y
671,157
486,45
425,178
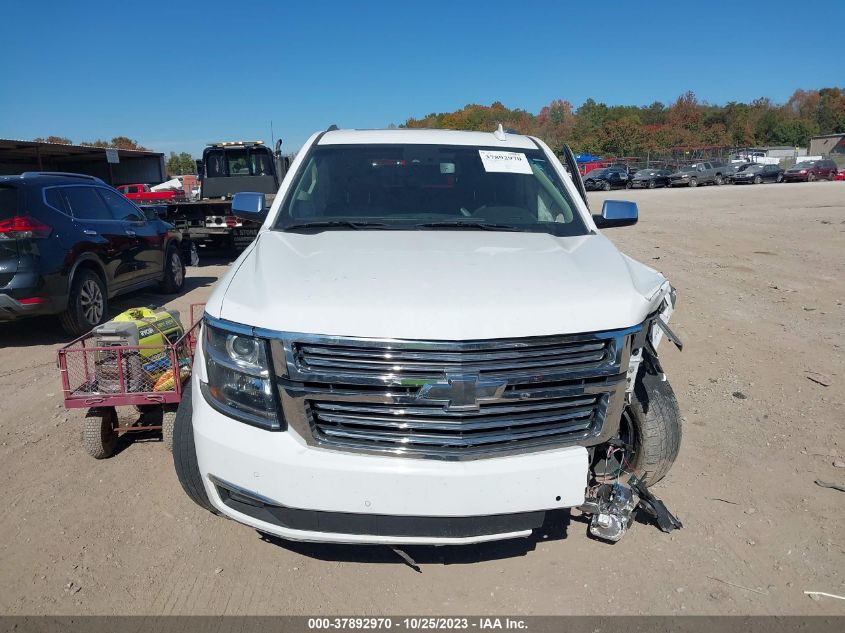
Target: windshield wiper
x,y
468,224
320,224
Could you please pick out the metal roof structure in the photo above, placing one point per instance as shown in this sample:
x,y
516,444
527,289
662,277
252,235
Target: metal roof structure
x,y
18,156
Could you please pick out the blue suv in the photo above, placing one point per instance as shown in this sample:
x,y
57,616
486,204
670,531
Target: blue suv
x,y
69,242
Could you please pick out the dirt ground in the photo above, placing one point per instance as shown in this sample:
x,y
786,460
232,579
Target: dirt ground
x,y
760,273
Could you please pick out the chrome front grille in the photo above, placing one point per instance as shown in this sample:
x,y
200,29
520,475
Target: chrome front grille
x,y
510,358
430,428
452,399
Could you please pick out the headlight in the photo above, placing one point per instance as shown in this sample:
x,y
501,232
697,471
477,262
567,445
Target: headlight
x,y
240,384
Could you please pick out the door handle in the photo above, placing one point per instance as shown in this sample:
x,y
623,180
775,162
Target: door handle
x,y
89,232
130,233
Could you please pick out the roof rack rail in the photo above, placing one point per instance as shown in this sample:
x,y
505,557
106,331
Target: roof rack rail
x,y
64,174
333,127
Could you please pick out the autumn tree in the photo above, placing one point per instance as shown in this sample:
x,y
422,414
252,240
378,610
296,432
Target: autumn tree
x,y
657,129
61,140
118,142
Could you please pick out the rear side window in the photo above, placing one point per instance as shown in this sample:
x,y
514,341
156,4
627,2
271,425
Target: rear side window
x,y
8,202
121,208
55,199
85,204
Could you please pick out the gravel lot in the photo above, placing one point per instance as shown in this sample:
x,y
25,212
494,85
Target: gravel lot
x,y
760,273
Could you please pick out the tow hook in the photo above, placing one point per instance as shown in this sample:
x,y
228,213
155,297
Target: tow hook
x,y
613,507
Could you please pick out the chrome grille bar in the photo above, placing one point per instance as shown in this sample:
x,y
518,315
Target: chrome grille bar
x,y
498,358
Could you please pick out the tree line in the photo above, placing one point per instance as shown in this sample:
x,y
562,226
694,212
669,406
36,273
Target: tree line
x,y
628,130
118,142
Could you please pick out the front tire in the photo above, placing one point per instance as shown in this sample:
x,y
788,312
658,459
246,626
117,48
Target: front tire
x,y
718,180
168,421
185,453
606,186
693,182
87,304
811,177
174,271
757,180
99,436
656,433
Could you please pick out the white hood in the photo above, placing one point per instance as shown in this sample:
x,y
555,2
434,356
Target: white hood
x,y
441,285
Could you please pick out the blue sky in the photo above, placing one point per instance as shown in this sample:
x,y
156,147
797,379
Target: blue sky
x,y
175,76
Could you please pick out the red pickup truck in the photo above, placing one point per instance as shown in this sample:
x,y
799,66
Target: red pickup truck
x,y
142,193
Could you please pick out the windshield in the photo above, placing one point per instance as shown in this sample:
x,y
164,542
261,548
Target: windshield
x,y
689,168
805,165
751,167
598,173
428,186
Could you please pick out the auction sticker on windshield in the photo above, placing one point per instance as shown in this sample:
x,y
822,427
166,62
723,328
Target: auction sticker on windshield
x,y
507,162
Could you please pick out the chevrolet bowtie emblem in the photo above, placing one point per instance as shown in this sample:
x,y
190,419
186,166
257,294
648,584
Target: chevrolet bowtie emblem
x,y
463,391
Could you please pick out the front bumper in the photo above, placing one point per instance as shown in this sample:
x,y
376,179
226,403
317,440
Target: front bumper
x,y
796,177
277,484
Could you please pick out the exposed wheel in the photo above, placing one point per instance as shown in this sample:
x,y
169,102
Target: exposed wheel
x,y
718,180
98,434
651,184
811,177
757,180
605,186
831,176
693,182
174,271
629,184
655,421
780,177
87,304
185,453
168,419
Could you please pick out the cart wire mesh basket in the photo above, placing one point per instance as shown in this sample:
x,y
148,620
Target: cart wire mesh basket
x,y
123,375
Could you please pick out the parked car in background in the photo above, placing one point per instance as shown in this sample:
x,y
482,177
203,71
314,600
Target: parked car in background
x,y
650,178
703,173
144,194
811,170
607,179
840,175
69,242
754,173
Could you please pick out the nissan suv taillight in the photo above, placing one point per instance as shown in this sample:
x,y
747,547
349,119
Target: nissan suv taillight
x,y
22,227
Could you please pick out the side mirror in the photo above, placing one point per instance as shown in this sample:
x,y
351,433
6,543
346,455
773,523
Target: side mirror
x,y
616,213
249,205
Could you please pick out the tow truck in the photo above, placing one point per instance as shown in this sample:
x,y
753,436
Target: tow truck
x,y
227,168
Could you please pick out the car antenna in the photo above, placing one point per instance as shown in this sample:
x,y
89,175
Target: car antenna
x,y
500,133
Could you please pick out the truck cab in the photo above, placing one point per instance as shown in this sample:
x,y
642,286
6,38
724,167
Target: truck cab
x,y
229,167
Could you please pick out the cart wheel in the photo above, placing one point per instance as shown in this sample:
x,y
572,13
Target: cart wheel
x,y
168,419
99,435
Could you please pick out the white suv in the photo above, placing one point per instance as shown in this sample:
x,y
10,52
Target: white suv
x,y
429,341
